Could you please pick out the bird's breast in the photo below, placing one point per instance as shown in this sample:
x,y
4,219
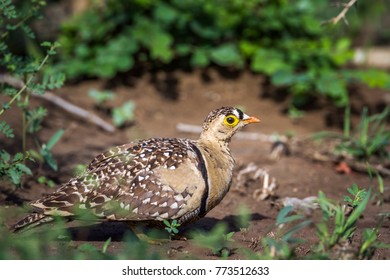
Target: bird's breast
x,y
220,165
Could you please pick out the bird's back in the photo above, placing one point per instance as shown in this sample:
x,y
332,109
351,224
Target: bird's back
x,y
153,179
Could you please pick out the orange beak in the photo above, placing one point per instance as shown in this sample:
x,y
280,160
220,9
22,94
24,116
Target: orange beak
x,y
251,120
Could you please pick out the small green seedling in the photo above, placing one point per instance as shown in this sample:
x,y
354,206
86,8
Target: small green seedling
x,y
101,97
46,181
172,228
123,114
218,240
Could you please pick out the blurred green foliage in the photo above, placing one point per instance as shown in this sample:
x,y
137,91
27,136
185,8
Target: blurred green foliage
x,y
282,39
56,243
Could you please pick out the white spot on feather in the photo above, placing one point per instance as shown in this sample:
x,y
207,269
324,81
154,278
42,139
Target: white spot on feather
x,y
164,215
164,204
156,214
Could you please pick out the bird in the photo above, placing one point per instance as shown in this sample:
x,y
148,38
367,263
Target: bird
x,y
149,181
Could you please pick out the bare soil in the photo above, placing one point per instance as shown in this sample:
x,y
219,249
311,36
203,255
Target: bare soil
x,y
166,98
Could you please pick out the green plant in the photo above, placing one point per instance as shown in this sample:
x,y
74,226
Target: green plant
x,y
343,227
370,138
100,97
218,240
32,75
335,228
46,181
56,244
13,168
281,243
172,227
123,114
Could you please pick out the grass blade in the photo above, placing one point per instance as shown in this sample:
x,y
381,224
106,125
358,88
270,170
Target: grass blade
x,y
54,139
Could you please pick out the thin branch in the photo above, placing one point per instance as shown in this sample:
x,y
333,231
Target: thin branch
x,y
58,101
189,128
341,15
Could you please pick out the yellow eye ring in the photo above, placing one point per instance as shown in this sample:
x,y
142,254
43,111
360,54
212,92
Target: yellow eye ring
x,y
231,120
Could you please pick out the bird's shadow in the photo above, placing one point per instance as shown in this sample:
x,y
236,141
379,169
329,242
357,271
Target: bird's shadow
x,y
118,230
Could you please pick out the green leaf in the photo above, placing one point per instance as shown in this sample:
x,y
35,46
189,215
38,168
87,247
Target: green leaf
x,y
332,85
200,58
101,97
54,139
283,78
248,48
49,159
183,49
161,47
165,14
15,176
151,35
296,228
18,157
5,156
227,55
6,130
106,244
24,169
123,114
347,199
283,217
268,62
380,183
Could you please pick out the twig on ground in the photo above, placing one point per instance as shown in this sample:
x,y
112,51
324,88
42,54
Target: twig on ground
x,y
350,162
189,128
305,205
341,15
58,101
252,172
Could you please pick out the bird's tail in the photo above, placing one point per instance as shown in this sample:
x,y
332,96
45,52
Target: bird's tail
x,y
30,221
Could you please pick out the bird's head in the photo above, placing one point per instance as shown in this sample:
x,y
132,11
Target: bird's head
x,y
221,124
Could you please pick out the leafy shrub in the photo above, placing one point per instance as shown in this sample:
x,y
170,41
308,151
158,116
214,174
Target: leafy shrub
x,y
35,77
280,39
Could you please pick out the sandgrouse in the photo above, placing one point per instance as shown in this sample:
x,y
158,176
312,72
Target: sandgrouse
x,y
151,180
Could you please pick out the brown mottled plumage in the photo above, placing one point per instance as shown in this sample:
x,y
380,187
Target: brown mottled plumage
x,y
151,180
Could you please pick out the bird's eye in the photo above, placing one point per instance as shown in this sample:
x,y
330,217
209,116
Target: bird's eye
x,y
231,120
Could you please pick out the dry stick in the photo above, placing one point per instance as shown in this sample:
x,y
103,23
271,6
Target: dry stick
x,y
341,15
67,106
357,166
189,128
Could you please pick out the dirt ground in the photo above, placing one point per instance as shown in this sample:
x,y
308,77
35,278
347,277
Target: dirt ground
x,y
165,99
